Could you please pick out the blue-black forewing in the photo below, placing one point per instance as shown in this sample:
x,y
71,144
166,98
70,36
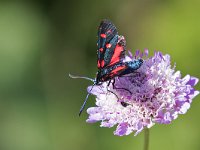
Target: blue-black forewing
x,y
107,40
119,52
106,32
111,46
110,50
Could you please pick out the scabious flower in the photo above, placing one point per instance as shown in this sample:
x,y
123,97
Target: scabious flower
x,y
155,93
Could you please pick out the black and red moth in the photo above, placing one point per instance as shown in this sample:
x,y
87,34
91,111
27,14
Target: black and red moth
x,y
110,57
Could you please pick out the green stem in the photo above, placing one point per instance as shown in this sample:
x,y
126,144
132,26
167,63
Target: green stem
x,y
146,139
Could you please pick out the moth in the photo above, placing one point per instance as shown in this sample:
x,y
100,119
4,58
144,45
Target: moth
x,y
111,49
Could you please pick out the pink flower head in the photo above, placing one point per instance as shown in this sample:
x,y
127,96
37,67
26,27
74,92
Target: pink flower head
x,y
155,93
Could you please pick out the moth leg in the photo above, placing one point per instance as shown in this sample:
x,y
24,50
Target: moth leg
x,y
108,83
113,93
124,104
116,88
110,90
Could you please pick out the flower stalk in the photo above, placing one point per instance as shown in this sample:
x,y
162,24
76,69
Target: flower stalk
x,y
146,139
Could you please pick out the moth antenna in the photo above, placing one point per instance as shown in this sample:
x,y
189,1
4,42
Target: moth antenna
x,y
80,77
85,101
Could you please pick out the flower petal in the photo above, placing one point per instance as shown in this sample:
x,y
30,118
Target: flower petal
x,y
193,81
122,129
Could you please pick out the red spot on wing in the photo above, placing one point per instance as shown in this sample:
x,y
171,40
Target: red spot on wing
x,y
102,63
101,49
108,45
103,35
116,56
98,64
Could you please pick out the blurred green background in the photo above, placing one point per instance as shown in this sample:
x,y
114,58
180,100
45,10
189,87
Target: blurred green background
x,y
42,41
